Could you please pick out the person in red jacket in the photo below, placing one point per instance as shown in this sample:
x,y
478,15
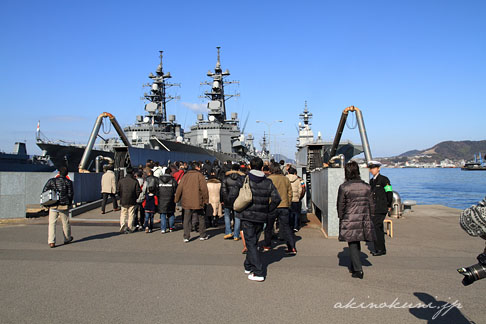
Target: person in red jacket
x,y
150,206
177,172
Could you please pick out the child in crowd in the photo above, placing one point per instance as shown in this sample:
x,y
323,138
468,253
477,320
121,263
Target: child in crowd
x,y
167,190
150,205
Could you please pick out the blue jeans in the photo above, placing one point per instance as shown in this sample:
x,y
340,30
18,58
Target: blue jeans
x,y
163,221
149,220
227,223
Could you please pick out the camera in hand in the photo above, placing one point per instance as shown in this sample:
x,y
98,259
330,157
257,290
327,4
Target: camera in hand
x,y
474,272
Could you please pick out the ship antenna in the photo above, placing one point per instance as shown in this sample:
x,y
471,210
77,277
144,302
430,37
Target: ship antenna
x,y
218,63
159,68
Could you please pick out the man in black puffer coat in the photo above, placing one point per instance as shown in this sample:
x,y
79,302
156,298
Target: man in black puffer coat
x,y
383,199
230,188
129,190
167,190
64,186
265,200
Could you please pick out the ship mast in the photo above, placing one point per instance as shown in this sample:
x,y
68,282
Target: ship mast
x,y
217,105
305,116
306,135
265,153
157,107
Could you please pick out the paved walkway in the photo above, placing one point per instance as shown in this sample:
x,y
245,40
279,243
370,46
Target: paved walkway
x,y
105,277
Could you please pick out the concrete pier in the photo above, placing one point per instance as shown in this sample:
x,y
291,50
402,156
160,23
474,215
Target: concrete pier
x,y
325,186
107,277
19,189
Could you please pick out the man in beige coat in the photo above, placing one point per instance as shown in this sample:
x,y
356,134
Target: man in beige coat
x,y
284,189
214,189
108,188
296,205
193,194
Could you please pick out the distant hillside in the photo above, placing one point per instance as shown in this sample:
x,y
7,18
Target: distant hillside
x,y
453,150
410,153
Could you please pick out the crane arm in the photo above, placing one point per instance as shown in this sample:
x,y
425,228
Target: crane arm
x,y
94,134
362,132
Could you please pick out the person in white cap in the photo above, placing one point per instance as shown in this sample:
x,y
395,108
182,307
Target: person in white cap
x,y
383,198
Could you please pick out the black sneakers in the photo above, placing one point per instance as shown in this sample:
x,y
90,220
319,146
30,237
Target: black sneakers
x,y
358,274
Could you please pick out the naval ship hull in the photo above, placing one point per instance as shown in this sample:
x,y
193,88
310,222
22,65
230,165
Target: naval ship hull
x,y
70,156
171,152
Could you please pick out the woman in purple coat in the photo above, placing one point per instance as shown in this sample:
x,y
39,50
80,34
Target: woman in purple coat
x,y
355,207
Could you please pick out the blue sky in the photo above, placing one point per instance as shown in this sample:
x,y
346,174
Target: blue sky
x,y
415,68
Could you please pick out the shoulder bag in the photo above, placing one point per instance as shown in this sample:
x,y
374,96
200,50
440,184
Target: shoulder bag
x,y
50,197
244,198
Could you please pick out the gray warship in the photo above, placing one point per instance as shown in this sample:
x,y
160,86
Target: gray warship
x,y
217,133
159,137
20,161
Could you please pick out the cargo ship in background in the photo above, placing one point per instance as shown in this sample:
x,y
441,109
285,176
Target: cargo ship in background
x,y
477,165
159,137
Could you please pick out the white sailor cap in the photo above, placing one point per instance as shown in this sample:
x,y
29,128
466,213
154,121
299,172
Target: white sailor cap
x,y
374,164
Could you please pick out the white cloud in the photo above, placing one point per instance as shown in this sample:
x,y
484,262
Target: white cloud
x,y
196,107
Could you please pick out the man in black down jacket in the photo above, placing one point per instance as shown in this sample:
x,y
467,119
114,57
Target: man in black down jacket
x,y
265,200
230,188
62,184
167,190
128,189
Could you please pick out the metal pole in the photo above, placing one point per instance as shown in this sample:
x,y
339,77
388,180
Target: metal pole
x,y
364,136
98,163
269,140
91,141
339,132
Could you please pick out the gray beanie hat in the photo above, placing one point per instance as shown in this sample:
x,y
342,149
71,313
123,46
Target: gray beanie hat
x,y
473,220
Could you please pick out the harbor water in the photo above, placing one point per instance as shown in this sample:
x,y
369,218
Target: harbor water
x,y
449,187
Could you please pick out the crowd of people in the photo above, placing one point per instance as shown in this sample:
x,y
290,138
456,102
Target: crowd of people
x,y
205,192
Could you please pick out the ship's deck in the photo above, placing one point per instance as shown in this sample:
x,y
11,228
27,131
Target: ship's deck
x,y
107,277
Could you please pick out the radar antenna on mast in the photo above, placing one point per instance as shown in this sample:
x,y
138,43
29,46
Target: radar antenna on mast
x,y
157,97
217,105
